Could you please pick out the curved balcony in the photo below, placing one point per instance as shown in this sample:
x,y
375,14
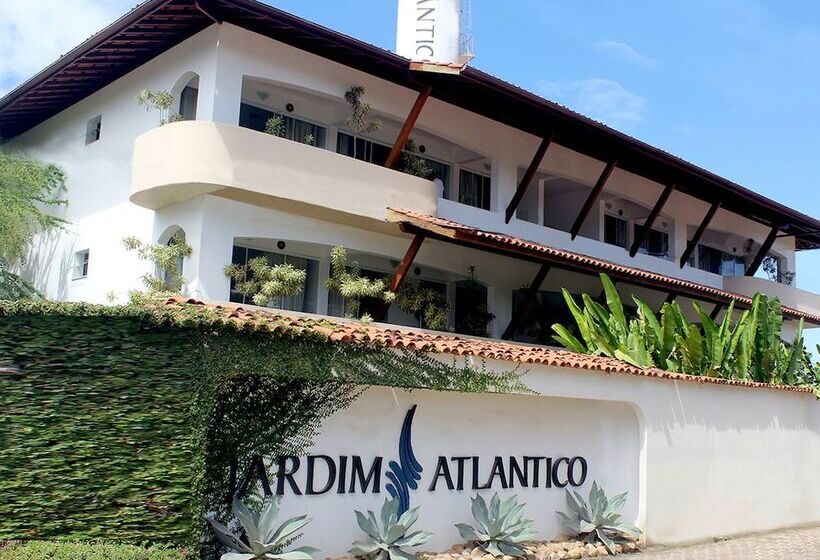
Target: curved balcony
x,y
180,161
802,300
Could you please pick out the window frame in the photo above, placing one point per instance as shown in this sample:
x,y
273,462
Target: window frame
x,y
79,269
93,132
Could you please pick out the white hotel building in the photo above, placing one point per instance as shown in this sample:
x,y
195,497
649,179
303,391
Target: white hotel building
x,y
529,197
566,196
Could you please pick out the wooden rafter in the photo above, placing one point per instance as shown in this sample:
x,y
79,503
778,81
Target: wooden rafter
x,y
529,298
650,220
764,250
400,274
592,198
528,177
693,242
407,127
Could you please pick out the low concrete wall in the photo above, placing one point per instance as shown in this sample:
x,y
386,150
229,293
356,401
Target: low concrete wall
x,y
698,460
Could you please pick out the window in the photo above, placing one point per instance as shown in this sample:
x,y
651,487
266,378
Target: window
x,y
80,268
93,128
615,231
361,149
375,152
655,243
295,129
304,301
474,189
188,102
720,262
548,308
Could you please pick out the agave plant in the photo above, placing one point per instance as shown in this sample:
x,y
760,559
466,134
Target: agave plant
x,y
598,519
262,539
499,528
389,541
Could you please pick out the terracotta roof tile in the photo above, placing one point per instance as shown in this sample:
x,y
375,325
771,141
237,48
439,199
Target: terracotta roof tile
x,y
516,246
353,332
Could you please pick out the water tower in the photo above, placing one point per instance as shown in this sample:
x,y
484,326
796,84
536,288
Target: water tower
x,y
435,34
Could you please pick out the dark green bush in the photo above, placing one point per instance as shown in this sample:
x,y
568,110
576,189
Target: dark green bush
x,y
46,550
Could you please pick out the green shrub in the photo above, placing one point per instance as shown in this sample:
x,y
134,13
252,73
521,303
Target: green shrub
x,y
47,550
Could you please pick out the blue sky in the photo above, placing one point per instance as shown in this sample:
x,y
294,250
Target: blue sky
x,y
731,85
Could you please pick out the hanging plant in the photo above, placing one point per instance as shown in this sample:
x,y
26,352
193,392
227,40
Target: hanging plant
x,y
348,282
359,119
264,282
476,321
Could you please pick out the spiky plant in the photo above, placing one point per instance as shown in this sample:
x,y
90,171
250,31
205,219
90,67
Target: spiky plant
x,y
389,541
499,528
598,519
264,282
262,539
347,281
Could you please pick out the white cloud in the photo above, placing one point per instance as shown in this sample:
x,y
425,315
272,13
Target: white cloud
x,y
34,33
600,99
625,52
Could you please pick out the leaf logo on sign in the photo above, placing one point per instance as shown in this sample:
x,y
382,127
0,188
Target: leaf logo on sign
x,y
405,474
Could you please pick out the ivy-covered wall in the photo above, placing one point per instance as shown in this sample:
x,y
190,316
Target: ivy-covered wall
x,y
95,439
129,423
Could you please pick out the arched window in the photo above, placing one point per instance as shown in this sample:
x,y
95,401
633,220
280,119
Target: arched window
x,y
170,237
186,94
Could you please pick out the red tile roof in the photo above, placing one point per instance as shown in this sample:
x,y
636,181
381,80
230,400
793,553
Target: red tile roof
x,y
516,247
354,332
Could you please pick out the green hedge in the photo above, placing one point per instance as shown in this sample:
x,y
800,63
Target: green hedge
x,y
44,550
121,423
95,439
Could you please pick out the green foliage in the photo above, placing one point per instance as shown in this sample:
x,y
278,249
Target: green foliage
x,y
95,429
275,126
260,537
748,348
499,529
597,520
158,100
428,304
360,120
348,282
166,258
29,190
264,282
122,422
412,161
45,550
389,541
13,287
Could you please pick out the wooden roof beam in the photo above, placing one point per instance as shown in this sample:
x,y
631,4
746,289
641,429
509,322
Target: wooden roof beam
x,y
650,220
592,198
693,242
400,274
764,250
528,177
407,128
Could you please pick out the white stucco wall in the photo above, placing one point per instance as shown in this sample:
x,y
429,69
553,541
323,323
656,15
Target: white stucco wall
x,y
699,460
485,426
